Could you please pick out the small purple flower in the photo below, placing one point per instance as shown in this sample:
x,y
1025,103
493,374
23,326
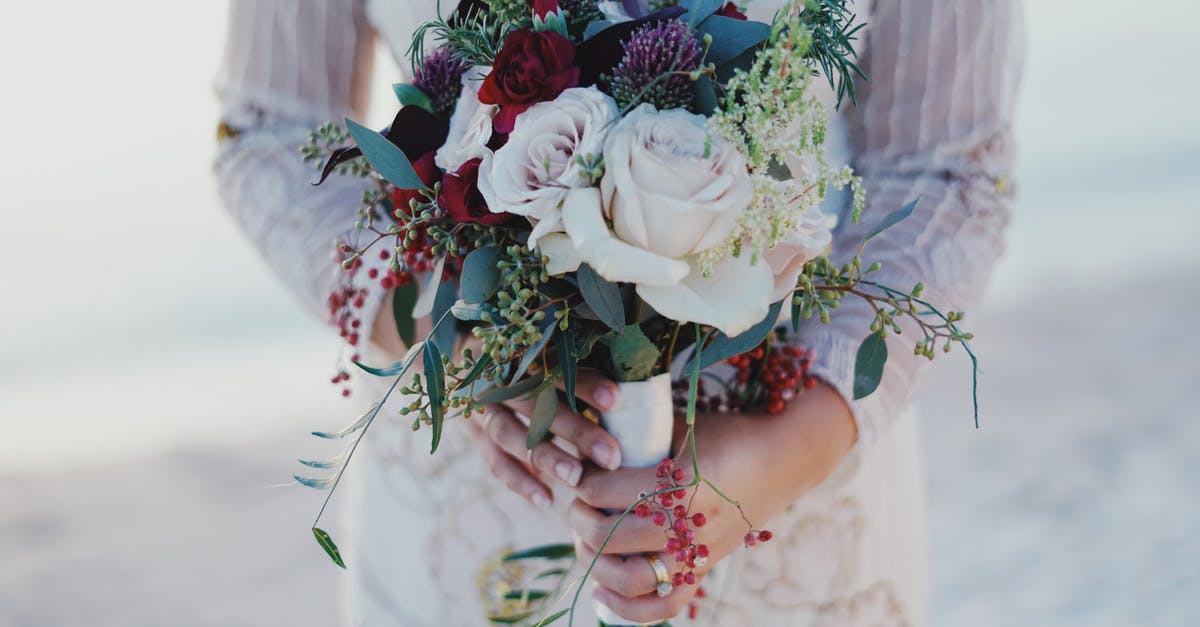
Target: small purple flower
x,y
649,72
440,77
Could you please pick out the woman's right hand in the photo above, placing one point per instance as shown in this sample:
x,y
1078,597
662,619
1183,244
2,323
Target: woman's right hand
x,y
500,436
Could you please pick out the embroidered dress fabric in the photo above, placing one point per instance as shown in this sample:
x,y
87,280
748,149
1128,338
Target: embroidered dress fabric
x,y
934,122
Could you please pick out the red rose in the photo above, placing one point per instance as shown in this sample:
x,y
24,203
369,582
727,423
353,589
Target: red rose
x,y
532,67
429,174
461,198
731,10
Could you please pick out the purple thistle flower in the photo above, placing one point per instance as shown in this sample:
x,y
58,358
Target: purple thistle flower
x,y
440,77
653,51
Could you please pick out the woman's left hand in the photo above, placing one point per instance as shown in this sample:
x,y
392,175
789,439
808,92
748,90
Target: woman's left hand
x,y
764,461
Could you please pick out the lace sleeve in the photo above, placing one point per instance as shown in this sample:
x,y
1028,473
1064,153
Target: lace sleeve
x,y
935,123
289,66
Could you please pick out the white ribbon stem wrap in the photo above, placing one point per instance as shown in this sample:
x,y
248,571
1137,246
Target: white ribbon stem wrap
x,y
643,424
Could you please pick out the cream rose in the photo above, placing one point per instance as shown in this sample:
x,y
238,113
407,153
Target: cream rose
x,y
671,190
806,241
531,173
470,124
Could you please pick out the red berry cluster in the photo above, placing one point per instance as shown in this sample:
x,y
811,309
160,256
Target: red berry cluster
x,y
677,521
773,373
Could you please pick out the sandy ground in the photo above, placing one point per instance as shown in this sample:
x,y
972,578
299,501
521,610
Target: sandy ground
x,y
1075,504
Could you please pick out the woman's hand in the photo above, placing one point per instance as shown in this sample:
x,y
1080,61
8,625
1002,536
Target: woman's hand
x,y
500,436
764,461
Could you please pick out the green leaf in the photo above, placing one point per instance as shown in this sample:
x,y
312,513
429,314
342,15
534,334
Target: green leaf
x,y
404,298
326,543
633,354
480,275
568,362
603,297
480,365
892,218
868,365
435,388
526,595
358,423
546,551
705,95
385,157
548,326
474,312
412,95
553,572
723,347
553,617
731,37
444,333
315,483
499,395
544,412
510,620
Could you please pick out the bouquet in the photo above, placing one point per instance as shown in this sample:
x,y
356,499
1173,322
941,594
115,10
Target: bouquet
x,y
617,186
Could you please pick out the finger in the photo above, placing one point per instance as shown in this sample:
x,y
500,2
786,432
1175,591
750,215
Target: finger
x,y
648,607
618,489
548,458
588,437
601,532
512,473
509,433
627,575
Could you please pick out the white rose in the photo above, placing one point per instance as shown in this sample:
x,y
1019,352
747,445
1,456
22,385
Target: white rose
x,y
671,190
806,241
614,11
470,124
530,174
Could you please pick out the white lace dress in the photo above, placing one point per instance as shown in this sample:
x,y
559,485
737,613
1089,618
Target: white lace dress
x,y
934,121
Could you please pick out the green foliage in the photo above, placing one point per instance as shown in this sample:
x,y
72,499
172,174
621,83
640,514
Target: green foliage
x,y
833,32
404,298
327,138
436,392
412,95
723,347
480,275
634,356
546,551
603,297
868,365
385,157
475,39
327,544
545,408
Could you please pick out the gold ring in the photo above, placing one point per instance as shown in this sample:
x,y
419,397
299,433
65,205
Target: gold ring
x,y
661,573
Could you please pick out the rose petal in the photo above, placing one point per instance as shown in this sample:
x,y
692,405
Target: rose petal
x,y
610,257
733,298
560,253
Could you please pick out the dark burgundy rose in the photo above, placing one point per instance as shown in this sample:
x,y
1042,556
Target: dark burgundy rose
x,y
542,8
730,10
532,67
429,174
461,198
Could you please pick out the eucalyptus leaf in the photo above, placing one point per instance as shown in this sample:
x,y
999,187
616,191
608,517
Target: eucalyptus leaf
x,y
892,218
326,543
324,464
499,395
526,595
705,95
320,483
553,617
444,333
868,365
385,157
731,37
412,95
723,347
358,423
480,274
548,327
435,389
510,620
474,312
398,367
633,354
544,411
700,10
404,298
603,297
568,362
481,364
546,551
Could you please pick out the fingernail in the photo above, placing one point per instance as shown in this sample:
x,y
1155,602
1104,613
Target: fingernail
x,y
606,456
541,501
568,472
605,396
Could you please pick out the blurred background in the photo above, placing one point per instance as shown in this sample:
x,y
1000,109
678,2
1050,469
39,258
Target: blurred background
x,y
156,383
